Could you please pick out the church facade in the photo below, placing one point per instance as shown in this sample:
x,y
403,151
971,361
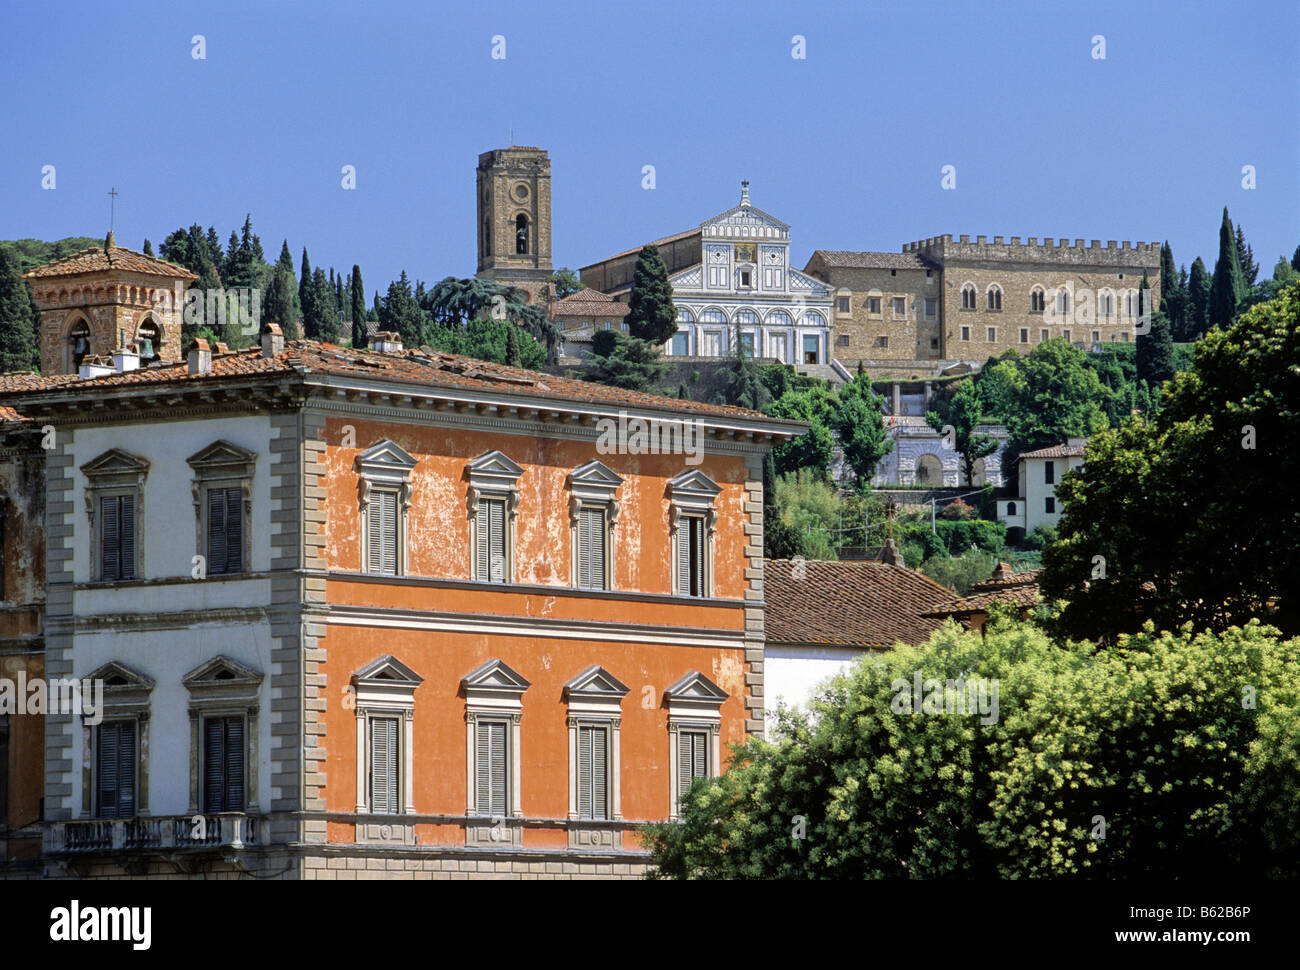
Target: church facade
x,y
732,279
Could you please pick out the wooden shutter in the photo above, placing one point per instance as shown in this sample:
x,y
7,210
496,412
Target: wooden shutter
x,y
127,538
481,543
491,768
216,530
584,772
683,554
692,760
591,548
223,764
599,772
383,765
116,757
109,546
381,533
490,539
234,530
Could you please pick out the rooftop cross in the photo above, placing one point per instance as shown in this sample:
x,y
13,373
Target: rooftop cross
x,y
112,204
744,192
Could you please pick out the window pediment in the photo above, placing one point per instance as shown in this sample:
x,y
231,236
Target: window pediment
x,y
116,463
387,462
493,471
222,682
221,459
126,690
494,688
387,670
695,696
595,682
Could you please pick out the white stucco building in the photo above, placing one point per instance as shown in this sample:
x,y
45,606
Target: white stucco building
x,y
1040,473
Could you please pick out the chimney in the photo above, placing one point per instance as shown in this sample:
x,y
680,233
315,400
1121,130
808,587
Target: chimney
x,y
220,348
386,342
92,366
889,553
126,358
1003,573
272,340
200,357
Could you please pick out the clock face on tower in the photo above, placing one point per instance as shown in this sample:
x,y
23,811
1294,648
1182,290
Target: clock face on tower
x,y
774,257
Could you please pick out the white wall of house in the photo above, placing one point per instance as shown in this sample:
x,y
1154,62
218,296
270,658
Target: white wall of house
x,y
1036,488
793,674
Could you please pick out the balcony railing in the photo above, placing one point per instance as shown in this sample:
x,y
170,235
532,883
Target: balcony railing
x,y
233,830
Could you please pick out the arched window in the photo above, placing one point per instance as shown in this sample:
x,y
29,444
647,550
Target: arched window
x,y
684,315
1011,508
78,343
713,316
813,319
995,297
1063,300
968,296
779,318
929,470
149,340
1105,303
1036,302
521,234
747,318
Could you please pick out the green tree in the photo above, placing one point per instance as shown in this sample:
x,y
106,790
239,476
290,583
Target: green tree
x,y
808,512
1199,288
322,299
20,348
815,448
1173,293
1295,259
306,300
1155,349
744,386
1058,396
1228,286
566,283
457,302
512,346
621,360
965,413
1283,271
148,248
1246,259
860,424
487,340
281,302
357,291
1185,508
401,314
651,315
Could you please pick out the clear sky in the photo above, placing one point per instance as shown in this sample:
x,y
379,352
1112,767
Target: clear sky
x,y
846,145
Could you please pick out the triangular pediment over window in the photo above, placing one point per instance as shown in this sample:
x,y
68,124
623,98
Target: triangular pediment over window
x,y
387,454
221,671
118,676
493,470
595,681
115,461
387,670
222,455
693,484
494,675
595,473
695,686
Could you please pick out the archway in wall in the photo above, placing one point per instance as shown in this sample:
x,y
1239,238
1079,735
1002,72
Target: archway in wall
x,y
149,339
76,344
929,470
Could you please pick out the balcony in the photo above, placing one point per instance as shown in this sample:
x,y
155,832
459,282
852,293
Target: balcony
x,y
162,833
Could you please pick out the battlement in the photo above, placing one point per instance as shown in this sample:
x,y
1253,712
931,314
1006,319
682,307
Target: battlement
x,y
1001,249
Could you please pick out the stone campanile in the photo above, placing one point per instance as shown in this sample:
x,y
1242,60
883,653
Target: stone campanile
x,y
514,219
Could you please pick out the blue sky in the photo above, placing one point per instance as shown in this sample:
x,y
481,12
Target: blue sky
x,y
846,145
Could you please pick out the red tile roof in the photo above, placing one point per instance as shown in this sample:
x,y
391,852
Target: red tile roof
x,y
1056,451
422,367
847,259
586,304
855,604
1019,589
8,415
97,259
675,237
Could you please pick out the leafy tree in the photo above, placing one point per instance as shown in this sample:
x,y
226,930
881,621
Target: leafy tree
x,y
744,386
1155,349
1058,396
1151,735
621,360
327,317
1228,285
456,302
1295,259
651,315
487,340
1246,259
960,573
1199,287
860,424
20,347
683,392
401,314
566,283
1184,508
358,294
965,412
1283,271
281,302
808,512
814,449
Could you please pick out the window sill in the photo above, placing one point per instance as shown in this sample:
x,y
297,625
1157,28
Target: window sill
x,y
168,581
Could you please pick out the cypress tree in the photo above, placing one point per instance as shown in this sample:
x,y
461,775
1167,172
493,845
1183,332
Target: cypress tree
x,y
651,315
232,254
1155,349
322,298
340,307
281,303
1173,297
683,392
1295,260
20,347
210,244
309,322
1228,286
512,346
148,248
1246,257
358,308
1198,300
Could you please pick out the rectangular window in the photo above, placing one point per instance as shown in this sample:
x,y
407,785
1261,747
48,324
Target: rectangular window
x,y
934,343
873,304
593,771
115,770
225,530
591,548
1049,473
842,340
490,768
1050,505
842,304
744,277
1065,335
810,349
384,765
747,345
692,758
1042,336
223,764
930,306
491,535
1024,335
117,537
900,307
690,556
680,348
882,341
992,334
1096,336
965,333
381,533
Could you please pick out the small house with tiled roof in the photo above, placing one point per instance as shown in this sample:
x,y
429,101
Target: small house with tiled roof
x,y
1040,473
1003,587
823,615
106,298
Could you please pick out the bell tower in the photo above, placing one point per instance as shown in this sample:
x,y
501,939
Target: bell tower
x,y
514,219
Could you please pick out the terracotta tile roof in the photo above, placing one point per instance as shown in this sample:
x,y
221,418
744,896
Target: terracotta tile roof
x,y
587,295
573,306
1056,451
1019,589
422,367
675,237
9,415
97,260
847,259
857,604
16,382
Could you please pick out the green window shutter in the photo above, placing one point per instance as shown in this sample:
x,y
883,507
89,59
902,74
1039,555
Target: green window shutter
x,y
127,538
216,530
234,530
109,528
383,765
